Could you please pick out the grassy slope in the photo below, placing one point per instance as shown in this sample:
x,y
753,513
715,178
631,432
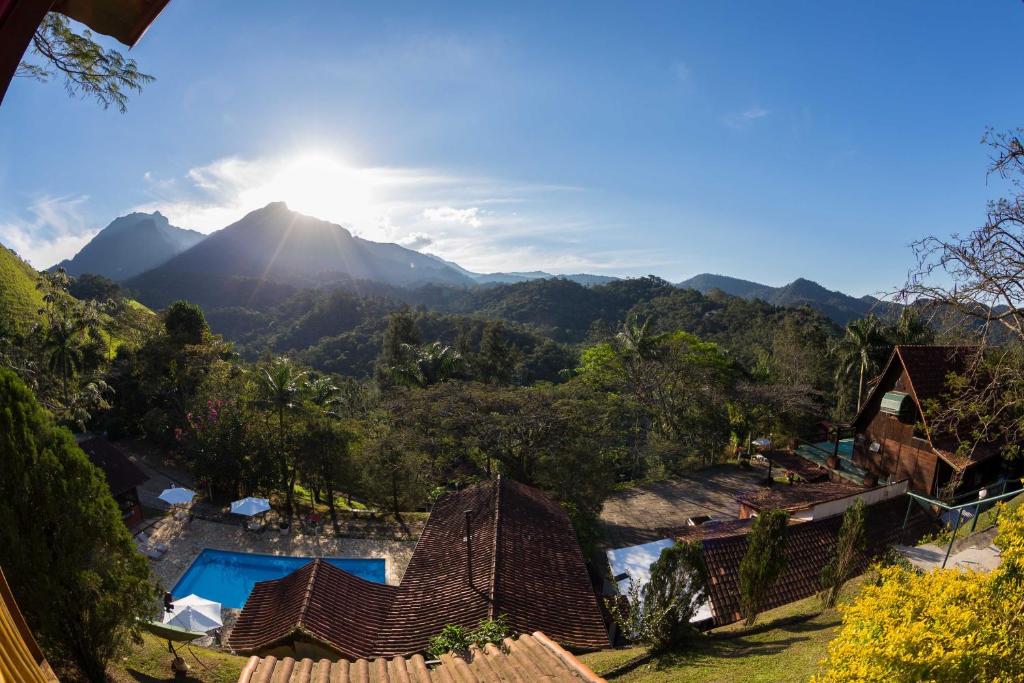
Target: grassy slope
x,y
20,301
779,653
150,662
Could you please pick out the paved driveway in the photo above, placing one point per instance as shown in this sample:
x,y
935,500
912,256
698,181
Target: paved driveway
x,y
633,516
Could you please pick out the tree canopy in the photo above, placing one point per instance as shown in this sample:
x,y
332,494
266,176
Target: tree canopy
x,y
68,555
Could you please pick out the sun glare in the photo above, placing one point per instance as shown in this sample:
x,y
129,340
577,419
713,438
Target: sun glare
x,y
323,186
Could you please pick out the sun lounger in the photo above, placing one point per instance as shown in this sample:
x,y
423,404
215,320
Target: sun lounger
x,y
150,551
143,540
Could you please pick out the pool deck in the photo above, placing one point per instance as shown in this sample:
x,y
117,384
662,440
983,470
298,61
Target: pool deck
x,y
186,539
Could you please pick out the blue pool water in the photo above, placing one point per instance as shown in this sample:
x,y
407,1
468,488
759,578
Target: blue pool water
x,y
820,452
228,577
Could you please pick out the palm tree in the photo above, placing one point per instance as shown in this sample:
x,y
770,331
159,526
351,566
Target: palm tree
x,y
63,351
324,394
280,389
858,352
428,365
636,340
911,328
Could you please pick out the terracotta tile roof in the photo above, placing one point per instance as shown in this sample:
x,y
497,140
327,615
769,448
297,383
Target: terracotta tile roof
x,y
122,474
523,561
791,497
712,529
320,601
809,547
528,658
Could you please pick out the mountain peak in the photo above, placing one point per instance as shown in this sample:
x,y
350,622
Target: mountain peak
x,y
838,306
129,245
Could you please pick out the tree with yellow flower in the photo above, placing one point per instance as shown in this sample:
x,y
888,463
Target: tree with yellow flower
x,y
944,625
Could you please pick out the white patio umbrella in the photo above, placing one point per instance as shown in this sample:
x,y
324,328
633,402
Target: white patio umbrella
x,y
177,495
764,443
195,614
250,506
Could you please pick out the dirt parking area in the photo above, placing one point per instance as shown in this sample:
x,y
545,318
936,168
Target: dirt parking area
x,y
633,516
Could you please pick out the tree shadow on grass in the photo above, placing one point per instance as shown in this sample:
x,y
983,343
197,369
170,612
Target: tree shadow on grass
x,y
137,675
706,651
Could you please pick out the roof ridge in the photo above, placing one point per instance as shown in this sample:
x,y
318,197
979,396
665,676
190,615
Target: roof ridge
x,y
309,594
494,549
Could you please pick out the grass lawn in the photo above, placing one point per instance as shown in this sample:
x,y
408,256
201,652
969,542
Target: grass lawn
x,y
779,652
150,662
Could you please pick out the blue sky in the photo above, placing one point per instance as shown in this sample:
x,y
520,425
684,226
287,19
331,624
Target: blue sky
x,y
766,141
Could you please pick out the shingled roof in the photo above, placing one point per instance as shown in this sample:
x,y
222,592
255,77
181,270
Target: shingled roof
x,y
521,560
792,497
122,474
320,601
809,547
527,658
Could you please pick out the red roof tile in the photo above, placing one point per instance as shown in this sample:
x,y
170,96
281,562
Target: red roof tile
x,y
319,600
809,547
528,658
522,560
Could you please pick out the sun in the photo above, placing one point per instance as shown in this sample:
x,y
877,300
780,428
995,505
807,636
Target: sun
x,y
325,187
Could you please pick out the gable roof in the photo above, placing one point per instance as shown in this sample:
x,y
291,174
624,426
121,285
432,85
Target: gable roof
x,y
809,547
319,600
927,368
527,658
122,474
521,560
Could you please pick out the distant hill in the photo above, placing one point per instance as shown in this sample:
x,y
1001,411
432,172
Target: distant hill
x,y
840,307
131,245
268,254
20,301
585,279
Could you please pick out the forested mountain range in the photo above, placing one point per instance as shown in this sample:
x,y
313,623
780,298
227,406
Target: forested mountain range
x,y
838,306
273,253
283,282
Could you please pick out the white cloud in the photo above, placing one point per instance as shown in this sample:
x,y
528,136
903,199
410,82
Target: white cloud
x,y
480,222
747,117
416,240
446,214
53,229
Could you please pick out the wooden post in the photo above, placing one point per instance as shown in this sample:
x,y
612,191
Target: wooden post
x,y
952,539
906,518
19,20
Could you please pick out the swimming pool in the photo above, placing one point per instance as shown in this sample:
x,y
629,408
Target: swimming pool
x,y
228,577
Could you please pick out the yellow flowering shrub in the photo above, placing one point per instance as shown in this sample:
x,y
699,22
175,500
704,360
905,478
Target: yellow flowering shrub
x,y
946,625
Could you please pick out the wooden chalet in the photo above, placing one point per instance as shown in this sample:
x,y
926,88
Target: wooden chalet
x,y
893,439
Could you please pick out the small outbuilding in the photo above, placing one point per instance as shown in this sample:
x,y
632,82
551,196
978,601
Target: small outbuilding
x,y
123,476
